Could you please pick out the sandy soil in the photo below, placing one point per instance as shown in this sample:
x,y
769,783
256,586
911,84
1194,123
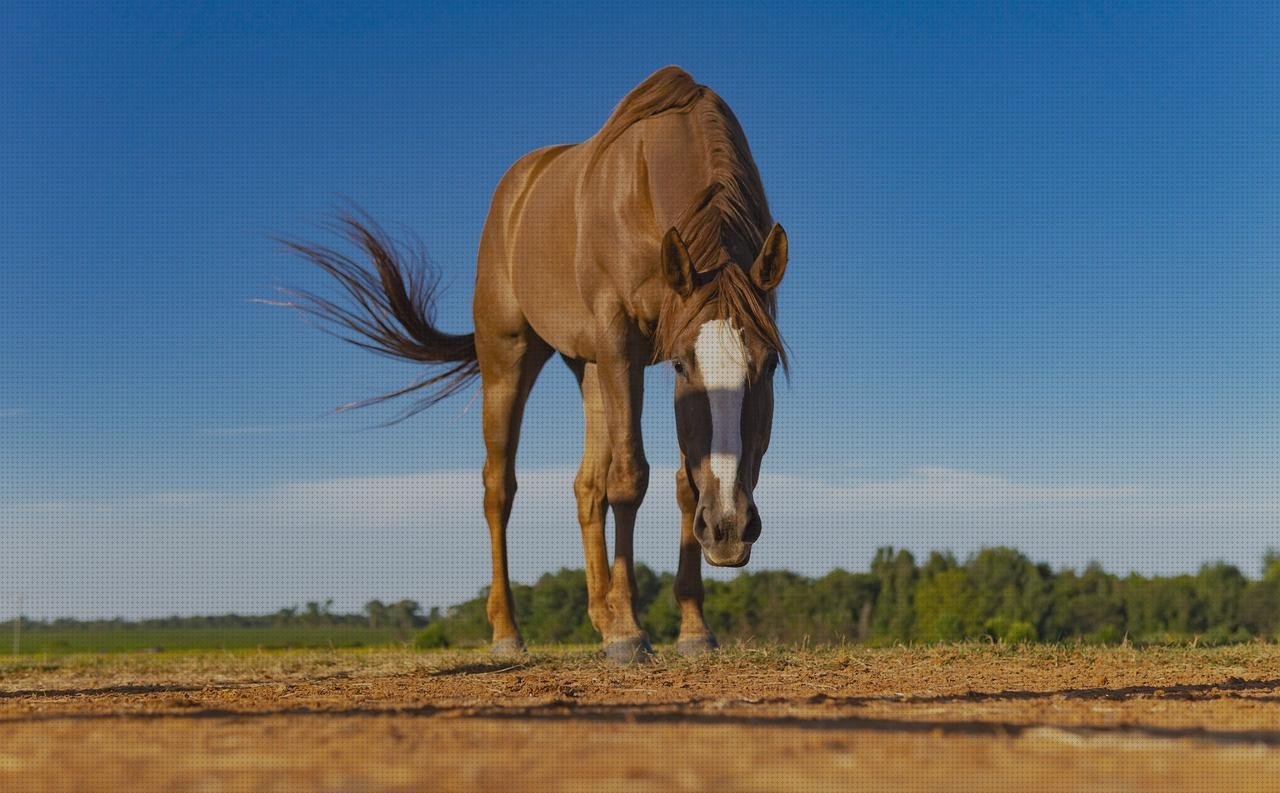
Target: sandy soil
x,y
957,717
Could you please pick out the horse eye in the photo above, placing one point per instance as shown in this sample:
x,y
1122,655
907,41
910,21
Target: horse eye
x,y
678,365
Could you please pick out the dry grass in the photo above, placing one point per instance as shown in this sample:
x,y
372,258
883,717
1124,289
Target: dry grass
x,y
977,716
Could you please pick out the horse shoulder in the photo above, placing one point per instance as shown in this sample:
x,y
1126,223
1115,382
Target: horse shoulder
x,y
621,221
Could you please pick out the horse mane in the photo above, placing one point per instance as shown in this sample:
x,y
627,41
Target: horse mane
x,y
727,221
724,226
666,90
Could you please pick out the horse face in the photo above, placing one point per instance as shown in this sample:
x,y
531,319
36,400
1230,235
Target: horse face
x,y
724,415
724,386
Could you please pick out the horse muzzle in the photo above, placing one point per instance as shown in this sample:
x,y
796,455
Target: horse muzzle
x,y
726,541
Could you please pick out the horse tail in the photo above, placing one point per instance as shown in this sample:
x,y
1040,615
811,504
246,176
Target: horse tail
x,y
393,313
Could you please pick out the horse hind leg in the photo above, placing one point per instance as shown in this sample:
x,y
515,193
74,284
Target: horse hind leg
x,y
589,487
509,365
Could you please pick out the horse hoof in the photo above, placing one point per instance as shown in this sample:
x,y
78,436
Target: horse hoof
x,y
697,645
508,646
629,651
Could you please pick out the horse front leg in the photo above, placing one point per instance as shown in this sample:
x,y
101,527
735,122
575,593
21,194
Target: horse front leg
x,y
622,386
695,637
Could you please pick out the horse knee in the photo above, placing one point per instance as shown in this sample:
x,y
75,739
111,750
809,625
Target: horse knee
x,y
589,488
628,481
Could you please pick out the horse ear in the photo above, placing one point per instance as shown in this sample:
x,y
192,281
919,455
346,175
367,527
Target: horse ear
x,y
767,270
677,267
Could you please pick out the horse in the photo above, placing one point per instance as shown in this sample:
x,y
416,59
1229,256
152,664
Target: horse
x,y
649,242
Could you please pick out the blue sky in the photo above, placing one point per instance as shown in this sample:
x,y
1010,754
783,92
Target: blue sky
x,y
1033,293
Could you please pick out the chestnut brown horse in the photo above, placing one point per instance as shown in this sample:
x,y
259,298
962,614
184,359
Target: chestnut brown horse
x,y
650,242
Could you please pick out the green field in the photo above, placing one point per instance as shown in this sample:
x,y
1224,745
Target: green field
x,y
53,641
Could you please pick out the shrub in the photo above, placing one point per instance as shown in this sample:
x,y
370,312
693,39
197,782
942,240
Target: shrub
x,y
432,637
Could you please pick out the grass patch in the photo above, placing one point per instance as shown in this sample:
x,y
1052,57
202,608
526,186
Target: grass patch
x,y
123,639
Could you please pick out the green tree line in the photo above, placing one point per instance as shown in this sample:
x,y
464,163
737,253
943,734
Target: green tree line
x,y
996,593
402,618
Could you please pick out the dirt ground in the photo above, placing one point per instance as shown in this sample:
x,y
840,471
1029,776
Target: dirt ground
x,y
956,717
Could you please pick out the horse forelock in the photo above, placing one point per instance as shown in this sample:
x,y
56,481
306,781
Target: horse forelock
x,y
731,296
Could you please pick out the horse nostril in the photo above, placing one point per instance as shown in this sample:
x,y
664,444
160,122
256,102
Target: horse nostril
x,y
717,531
699,524
752,531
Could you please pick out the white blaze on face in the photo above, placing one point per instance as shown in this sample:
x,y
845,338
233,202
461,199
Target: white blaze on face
x,y
722,360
